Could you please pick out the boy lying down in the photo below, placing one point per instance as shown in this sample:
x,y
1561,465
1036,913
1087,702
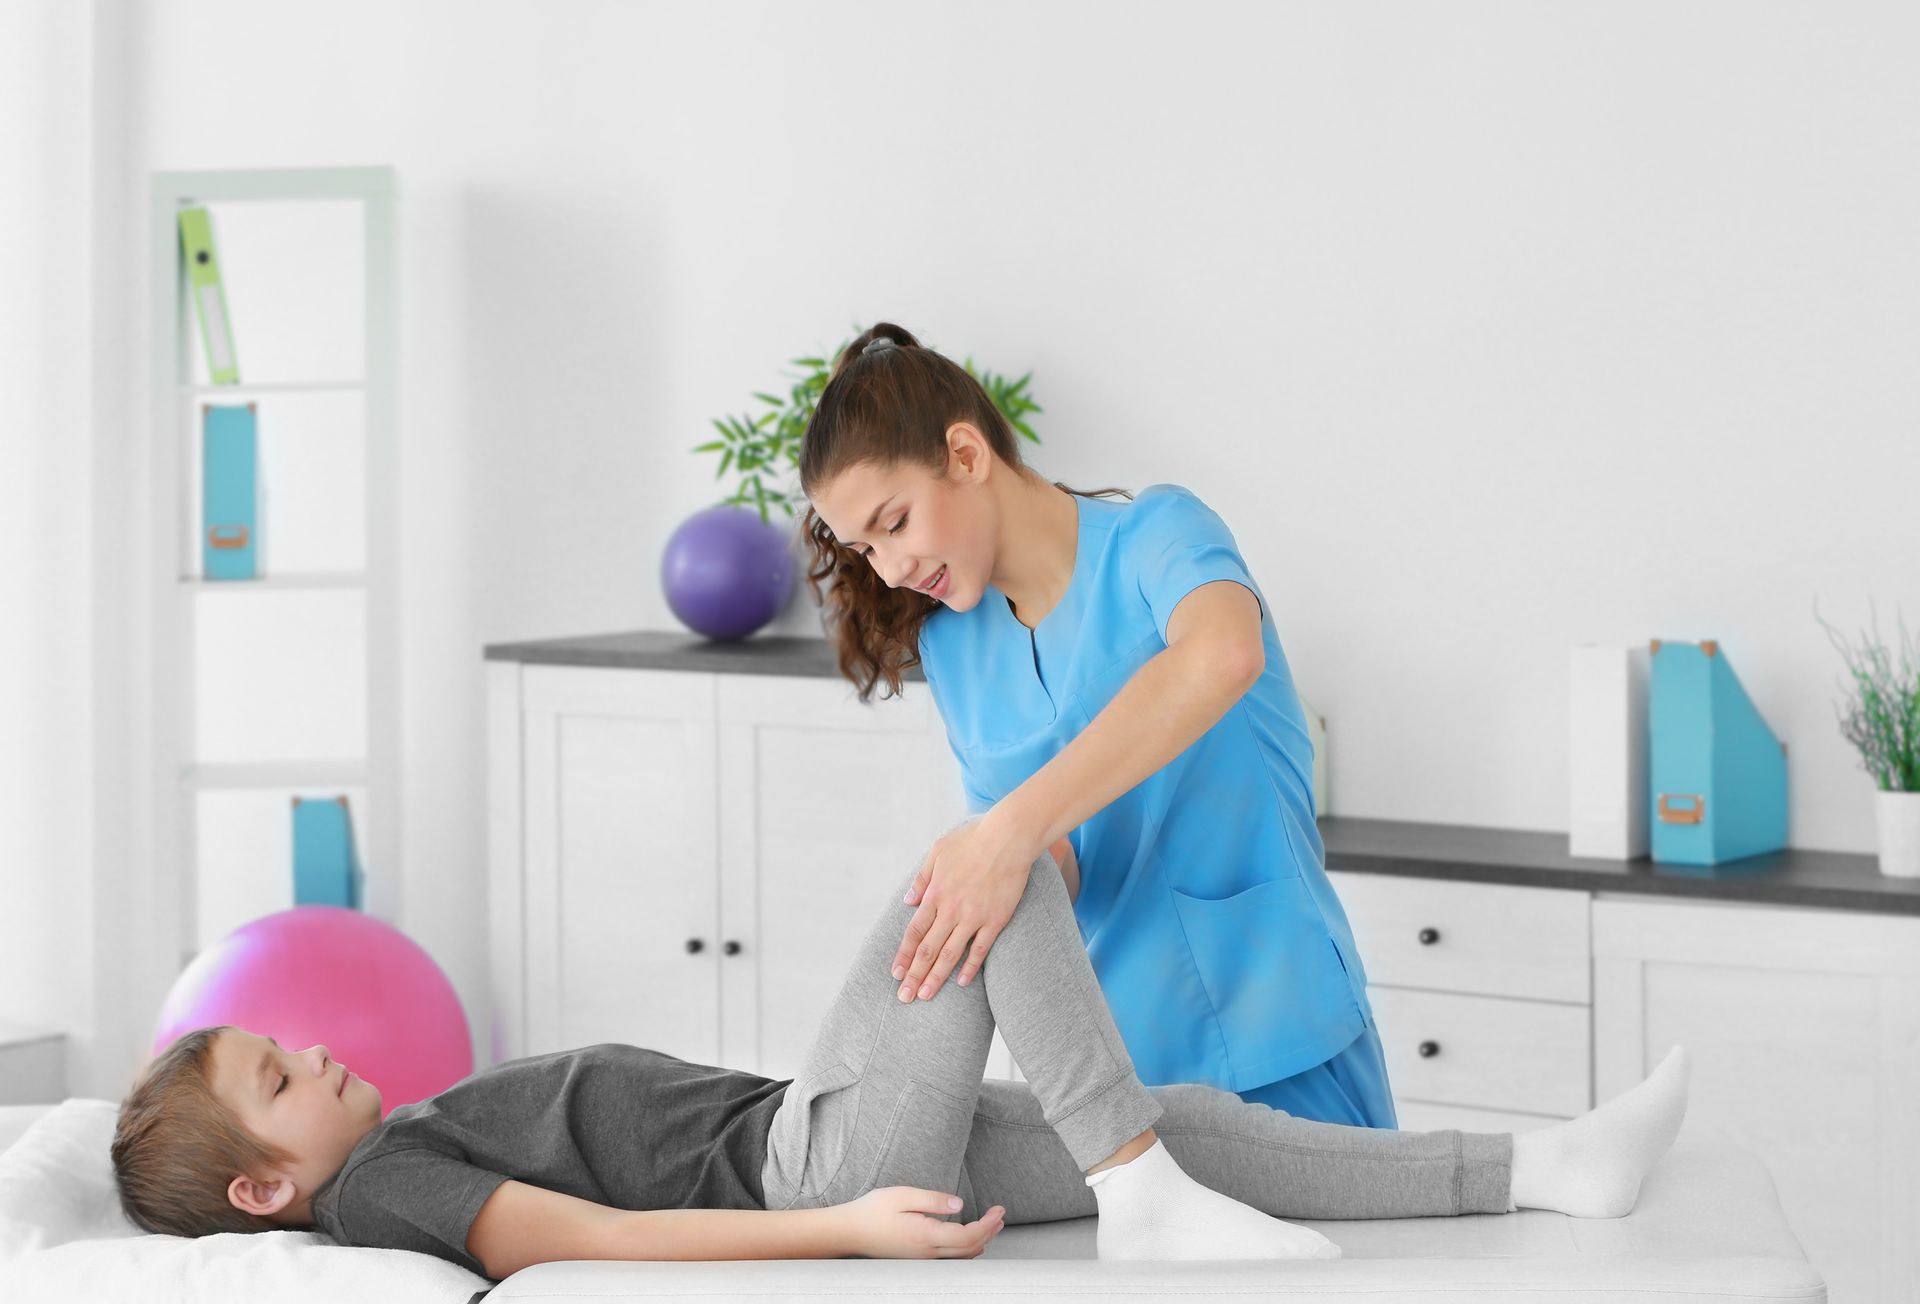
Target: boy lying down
x,y
888,1144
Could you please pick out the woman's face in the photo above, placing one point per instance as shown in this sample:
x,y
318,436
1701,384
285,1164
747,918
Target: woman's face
x,y
911,524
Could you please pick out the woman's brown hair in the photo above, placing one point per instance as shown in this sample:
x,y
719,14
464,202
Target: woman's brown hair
x,y
889,407
176,1147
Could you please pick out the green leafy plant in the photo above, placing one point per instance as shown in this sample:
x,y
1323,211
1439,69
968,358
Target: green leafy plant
x,y
756,448
1882,717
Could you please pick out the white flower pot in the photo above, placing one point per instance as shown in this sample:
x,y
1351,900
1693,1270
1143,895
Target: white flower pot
x,y
1898,814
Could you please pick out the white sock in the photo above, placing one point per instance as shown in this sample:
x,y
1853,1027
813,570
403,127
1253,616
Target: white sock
x,y
1151,1209
1591,1166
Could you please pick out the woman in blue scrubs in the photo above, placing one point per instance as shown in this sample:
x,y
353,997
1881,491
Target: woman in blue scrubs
x,y
1113,688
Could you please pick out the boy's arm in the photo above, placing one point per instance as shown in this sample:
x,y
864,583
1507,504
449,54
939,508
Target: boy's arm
x,y
522,1224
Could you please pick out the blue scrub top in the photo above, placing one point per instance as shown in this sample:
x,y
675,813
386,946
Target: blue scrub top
x,y
1204,901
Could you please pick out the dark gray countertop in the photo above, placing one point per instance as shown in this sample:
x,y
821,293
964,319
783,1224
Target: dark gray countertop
x,y
1535,858
1839,879
668,649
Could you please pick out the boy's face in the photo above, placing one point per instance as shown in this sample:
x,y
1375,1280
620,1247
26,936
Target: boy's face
x,y
302,1101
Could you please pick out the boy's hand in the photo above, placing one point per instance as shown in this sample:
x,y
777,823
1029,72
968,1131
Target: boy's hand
x,y
893,1222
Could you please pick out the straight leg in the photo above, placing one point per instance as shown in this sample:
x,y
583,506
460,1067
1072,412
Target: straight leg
x,y
1281,1165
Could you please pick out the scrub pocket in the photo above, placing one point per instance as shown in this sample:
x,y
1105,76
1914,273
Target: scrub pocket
x,y
1271,971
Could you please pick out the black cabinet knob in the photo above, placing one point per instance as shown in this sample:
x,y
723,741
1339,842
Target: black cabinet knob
x,y
731,948
695,946
1428,1049
1428,936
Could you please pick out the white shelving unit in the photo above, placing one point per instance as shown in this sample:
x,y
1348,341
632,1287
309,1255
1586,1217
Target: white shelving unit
x,y
287,685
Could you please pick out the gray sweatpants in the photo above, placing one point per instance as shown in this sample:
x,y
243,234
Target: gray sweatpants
x,y
891,1094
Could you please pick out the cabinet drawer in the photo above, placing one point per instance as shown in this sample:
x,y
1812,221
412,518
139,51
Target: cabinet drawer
x,y
1494,939
1485,1051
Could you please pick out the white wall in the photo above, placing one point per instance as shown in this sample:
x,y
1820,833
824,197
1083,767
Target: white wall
x,y
1489,327
46,517
68,292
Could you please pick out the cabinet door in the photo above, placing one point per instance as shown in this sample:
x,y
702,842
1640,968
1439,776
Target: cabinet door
x,y
620,859
826,808
1804,1030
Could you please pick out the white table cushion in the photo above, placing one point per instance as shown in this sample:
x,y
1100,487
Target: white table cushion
x,y
1708,1226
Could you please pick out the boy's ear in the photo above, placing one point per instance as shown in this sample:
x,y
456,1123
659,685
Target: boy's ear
x,y
261,1198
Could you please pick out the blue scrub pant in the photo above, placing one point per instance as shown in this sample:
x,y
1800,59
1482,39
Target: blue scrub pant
x,y
1351,1088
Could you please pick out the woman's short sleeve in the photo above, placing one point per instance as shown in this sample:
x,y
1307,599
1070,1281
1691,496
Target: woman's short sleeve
x,y
1174,543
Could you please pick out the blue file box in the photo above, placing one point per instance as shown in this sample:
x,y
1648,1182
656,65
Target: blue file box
x,y
230,492
1718,776
326,872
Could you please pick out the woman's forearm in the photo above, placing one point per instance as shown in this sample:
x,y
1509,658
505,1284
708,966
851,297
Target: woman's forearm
x,y
731,1234
1170,701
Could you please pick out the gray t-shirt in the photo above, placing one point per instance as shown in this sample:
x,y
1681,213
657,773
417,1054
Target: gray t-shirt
x,y
615,1124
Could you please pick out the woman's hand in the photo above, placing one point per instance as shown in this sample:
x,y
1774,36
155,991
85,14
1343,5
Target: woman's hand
x,y
967,890
893,1222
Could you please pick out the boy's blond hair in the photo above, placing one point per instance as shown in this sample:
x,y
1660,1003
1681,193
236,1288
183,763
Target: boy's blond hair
x,y
176,1147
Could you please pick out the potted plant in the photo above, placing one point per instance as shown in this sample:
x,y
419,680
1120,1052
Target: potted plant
x,y
1882,720
728,569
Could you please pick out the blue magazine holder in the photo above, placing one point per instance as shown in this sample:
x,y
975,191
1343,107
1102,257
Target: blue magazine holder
x,y
1718,776
230,492
326,872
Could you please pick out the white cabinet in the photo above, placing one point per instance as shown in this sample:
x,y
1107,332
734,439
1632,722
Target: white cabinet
x,y
1482,996
1503,1007
1804,1027
686,860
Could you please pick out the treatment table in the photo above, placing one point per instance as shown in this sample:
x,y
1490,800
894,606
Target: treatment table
x,y
1708,1226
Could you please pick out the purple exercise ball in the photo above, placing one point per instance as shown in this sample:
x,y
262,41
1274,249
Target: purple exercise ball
x,y
726,572
326,975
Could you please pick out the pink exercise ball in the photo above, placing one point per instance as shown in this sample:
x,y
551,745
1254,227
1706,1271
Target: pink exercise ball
x,y
337,977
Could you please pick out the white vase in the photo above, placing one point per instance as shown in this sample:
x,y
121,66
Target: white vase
x,y
1898,814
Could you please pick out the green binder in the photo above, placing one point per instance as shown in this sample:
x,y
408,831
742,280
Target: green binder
x,y
209,296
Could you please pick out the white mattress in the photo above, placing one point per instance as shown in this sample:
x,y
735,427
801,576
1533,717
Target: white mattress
x,y
1708,1227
